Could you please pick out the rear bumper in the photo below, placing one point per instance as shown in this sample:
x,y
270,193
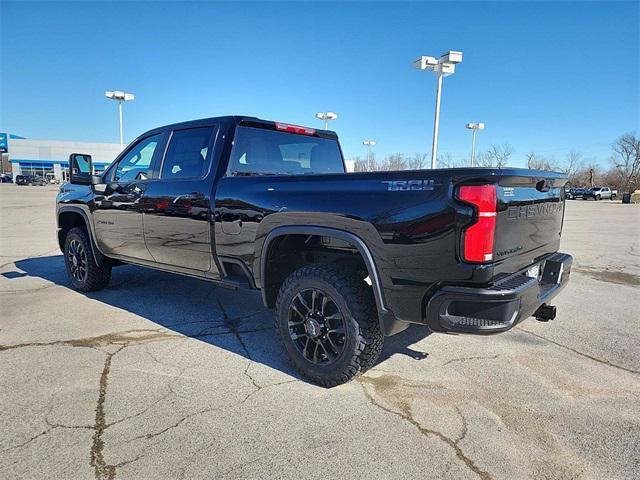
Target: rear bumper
x,y
499,307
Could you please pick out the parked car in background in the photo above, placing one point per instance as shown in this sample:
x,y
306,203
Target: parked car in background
x,y
5,179
30,180
600,193
51,179
575,193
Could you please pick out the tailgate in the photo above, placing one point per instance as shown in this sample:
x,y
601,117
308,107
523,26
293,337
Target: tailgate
x,y
529,220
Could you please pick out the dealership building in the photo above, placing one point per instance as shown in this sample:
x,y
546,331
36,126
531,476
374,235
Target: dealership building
x,y
49,158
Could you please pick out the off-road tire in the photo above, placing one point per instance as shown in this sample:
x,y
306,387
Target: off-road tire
x,y
97,277
363,339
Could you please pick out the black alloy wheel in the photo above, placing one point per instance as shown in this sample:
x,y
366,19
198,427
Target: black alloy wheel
x,y
77,258
83,271
316,326
327,321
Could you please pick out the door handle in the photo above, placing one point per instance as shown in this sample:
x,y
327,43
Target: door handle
x,y
191,196
131,190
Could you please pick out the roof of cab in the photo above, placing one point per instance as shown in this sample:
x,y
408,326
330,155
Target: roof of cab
x,y
237,119
204,121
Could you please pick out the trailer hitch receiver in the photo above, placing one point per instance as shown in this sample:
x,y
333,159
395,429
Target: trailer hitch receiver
x,y
545,313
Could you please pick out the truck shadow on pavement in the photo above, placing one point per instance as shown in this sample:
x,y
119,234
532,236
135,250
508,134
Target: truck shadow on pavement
x,y
197,309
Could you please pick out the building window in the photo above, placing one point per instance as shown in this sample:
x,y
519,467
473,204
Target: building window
x,y
36,168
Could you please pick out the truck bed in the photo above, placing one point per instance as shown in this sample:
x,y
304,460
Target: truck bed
x,y
410,220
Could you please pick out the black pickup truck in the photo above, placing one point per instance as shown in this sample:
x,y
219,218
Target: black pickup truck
x,y
344,258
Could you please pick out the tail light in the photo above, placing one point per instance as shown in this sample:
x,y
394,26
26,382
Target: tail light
x,y
478,239
285,127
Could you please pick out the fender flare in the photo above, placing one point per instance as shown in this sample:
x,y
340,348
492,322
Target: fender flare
x,y
98,256
348,237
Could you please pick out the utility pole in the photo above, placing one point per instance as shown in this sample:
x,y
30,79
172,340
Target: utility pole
x,y
120,97
442,67
369,144
474,127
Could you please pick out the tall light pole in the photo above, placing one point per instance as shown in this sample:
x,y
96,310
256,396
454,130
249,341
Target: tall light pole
x,y
120,97
368,144
475,127
326,116
441,67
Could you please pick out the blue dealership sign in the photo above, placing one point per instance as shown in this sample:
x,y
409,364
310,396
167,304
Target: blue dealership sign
x,y
4,142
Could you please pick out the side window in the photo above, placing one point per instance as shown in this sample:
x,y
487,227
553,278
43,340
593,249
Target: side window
x,y
186,155
136,164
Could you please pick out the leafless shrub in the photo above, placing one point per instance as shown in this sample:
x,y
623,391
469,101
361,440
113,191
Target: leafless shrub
x,y
496,156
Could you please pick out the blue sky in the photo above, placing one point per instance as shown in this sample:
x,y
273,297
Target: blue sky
x,y
544,76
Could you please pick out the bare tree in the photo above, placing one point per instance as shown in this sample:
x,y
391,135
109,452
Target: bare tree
x,y
496,156
359,165
572,163
418,161
396,161
626,160
538,162
446,160
366,164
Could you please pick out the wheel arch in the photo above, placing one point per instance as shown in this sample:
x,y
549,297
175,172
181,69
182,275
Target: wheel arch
x,y
70,217
319,231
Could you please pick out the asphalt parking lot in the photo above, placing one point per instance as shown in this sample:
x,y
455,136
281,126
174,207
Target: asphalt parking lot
x,y
161,376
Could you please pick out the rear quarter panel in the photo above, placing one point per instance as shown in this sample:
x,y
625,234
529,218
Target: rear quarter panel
x,y
409,220
410,228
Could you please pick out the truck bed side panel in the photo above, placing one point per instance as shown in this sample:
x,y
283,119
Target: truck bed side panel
x,y
409,220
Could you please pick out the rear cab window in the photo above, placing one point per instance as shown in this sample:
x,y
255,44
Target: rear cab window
x,y
259,151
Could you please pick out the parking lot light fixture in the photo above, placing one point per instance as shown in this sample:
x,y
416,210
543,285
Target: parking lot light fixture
x,y
441,67
474,127
120,97
326,116
369,144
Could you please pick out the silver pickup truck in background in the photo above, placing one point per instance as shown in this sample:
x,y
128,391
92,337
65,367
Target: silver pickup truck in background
x,y
600,193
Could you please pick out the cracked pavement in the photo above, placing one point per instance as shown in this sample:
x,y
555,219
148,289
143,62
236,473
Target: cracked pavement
x,y
160,376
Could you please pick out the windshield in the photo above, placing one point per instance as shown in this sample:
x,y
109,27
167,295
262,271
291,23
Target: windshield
x,y
258,151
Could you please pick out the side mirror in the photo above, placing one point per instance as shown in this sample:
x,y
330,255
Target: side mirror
x,y
80,169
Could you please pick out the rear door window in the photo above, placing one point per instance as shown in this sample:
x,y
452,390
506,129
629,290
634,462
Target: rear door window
x,y
188,154
258,151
